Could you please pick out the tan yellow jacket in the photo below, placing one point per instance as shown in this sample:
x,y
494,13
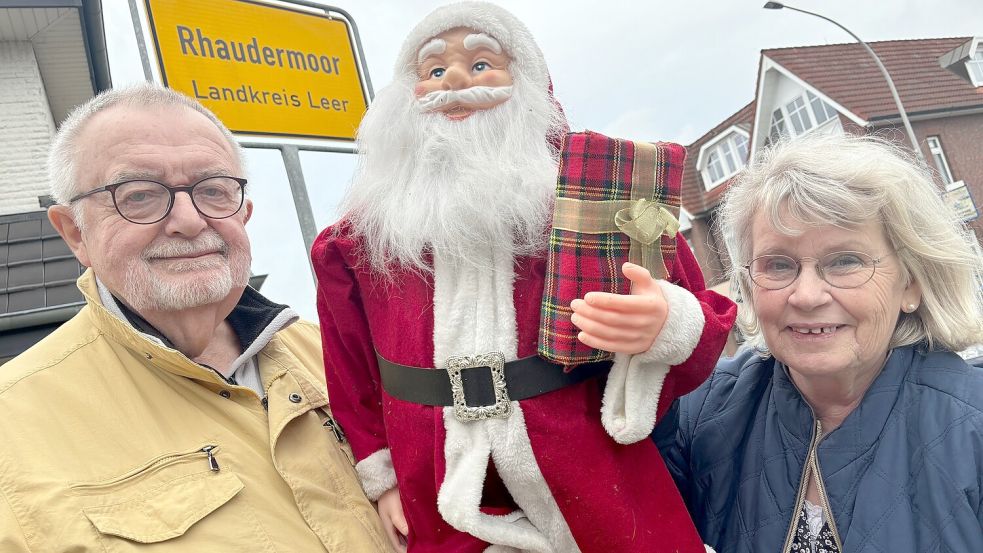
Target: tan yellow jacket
x,y
110,442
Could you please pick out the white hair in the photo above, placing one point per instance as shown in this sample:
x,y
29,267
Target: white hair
x,y
846,180
425,183
145,289
63,177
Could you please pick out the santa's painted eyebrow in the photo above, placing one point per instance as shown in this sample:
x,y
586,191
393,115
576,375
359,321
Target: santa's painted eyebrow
x,y
478,40
434,47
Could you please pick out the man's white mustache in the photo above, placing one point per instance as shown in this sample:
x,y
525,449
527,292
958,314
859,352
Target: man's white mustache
x,y
476,95
207,242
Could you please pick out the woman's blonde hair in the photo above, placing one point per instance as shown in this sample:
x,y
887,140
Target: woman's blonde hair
x,y
846,180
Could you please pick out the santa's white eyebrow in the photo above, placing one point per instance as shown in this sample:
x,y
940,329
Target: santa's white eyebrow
x,y
435,46
477,40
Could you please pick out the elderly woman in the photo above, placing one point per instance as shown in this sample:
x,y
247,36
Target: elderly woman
x,y
850,425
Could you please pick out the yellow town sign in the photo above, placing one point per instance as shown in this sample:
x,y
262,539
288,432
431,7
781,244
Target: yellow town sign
x,y
263,69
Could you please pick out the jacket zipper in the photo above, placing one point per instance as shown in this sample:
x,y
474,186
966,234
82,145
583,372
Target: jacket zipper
x,y
335,428
212,463
811,470
208,450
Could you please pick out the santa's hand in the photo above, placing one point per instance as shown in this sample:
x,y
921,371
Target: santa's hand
x,y
391,513
619,323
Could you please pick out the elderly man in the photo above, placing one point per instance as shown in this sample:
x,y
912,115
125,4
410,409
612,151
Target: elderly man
x,y
180,410
441,255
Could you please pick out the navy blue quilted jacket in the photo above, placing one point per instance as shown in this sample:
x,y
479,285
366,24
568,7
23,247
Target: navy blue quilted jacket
x,y
903,473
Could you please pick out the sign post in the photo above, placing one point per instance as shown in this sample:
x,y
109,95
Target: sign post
x,y
291,70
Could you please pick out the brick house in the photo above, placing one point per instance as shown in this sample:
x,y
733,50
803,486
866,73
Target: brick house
x,y
50,61
838,88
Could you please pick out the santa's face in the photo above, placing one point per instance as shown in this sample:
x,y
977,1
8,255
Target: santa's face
x,y
462,71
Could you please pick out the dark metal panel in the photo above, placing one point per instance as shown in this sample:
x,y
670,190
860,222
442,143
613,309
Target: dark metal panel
x,y
14,342
26,300
40,3
24,229
94,35
64,293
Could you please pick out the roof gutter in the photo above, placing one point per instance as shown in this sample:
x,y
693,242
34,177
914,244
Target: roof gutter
x,y
38,317
882,120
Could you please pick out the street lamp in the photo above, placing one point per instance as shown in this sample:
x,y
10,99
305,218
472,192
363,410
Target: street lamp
x,y
887,76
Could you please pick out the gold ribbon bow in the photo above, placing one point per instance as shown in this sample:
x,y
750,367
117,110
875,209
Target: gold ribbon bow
x,y
645,221
640,218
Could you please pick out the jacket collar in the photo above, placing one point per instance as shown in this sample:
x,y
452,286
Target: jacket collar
x,y
255,320
861,428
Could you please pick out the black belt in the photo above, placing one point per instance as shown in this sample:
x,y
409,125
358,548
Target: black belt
x,y
523,379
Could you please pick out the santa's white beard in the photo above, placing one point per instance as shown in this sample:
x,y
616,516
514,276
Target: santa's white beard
x,y
429,184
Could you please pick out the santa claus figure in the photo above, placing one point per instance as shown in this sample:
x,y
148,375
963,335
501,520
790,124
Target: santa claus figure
x,y
440,256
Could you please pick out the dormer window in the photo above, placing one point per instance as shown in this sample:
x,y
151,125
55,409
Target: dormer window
x,y
975,66
966,61
799,116
722,158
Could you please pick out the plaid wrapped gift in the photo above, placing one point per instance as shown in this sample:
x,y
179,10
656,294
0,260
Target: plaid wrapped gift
x,y
617,201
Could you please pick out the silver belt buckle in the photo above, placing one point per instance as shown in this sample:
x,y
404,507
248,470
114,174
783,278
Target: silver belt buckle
x,y
502,407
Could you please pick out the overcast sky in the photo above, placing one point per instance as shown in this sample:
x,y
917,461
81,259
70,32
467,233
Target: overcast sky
x,y
645,70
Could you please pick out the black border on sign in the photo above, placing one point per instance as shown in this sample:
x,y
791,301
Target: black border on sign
x,y
351,44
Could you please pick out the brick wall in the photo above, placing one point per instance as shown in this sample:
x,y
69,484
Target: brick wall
x,y
709,250
26,129
962,143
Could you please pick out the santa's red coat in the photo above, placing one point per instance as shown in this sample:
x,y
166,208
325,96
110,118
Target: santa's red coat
x,y
613,497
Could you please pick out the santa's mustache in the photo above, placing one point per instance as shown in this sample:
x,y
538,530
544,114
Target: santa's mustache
x,y
474,96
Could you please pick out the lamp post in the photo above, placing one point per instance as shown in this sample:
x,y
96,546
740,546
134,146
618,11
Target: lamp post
x,y
877,60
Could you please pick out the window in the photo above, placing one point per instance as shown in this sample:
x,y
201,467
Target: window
x,y
741,141
801,115
724,158
798,115
935,148
975,66
714,167
823,111
777,129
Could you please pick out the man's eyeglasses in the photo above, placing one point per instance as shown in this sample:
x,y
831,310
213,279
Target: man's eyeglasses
x,y
839,269
145,202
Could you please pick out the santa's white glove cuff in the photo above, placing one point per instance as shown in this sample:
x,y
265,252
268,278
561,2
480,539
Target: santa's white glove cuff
x,y
376,474
631,396
682,329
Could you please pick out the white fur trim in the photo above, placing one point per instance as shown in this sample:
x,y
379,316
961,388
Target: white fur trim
x,y
376,474
538,527
682,330
514,36
474,313
709,549
631,395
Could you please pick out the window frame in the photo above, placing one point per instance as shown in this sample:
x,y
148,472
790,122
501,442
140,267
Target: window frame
x,y
720,159
974,65
937,154
805,114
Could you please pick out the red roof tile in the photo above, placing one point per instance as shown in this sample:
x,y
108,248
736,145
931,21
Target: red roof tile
x,y
847,74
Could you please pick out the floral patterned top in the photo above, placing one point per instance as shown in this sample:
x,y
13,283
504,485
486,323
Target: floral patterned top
x,y
812,533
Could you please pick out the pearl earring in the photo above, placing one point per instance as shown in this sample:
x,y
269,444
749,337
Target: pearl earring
x,y
911,308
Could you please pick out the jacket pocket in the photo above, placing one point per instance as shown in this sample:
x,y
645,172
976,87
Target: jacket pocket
x,y
164,498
